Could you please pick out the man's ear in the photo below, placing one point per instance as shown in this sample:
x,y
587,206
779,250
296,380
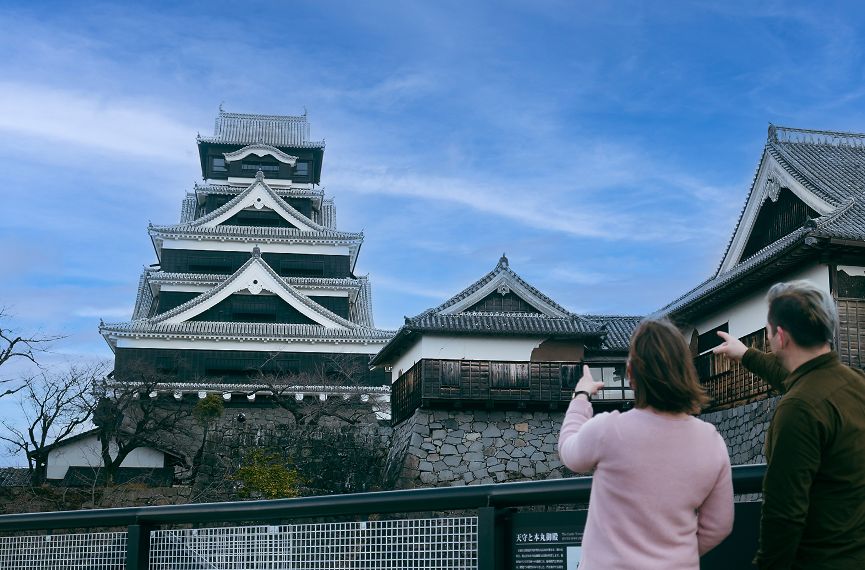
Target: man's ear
x,y
783,337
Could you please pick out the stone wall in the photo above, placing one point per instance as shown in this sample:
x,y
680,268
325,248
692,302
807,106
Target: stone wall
x,y
446,447
744,429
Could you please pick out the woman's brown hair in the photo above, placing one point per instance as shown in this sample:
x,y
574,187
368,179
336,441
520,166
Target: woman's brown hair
x,y
662,369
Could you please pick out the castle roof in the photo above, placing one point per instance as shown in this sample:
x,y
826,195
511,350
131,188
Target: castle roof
x,y
276,130
257,195
361,309
254,276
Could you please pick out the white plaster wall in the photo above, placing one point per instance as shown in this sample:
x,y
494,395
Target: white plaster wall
x,y
407,360
748,314
468,348
87,452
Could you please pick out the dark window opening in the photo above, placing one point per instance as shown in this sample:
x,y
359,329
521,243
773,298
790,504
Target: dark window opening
x,y
218,165
301,169
232,370
256,218
209,265
850,286
710,339
301,268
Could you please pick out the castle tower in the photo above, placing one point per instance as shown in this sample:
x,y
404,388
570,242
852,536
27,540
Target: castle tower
x,y
256,281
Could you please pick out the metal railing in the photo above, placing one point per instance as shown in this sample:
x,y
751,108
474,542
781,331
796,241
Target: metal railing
x,y
477,541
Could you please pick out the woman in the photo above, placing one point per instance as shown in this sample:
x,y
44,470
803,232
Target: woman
x,y
662,493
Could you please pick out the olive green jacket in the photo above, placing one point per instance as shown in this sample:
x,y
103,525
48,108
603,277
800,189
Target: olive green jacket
x,y
814,490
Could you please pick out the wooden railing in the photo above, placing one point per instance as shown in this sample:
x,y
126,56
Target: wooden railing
x,y
493,383
729,383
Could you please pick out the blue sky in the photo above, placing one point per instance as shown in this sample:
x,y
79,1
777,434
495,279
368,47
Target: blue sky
x,y
607,147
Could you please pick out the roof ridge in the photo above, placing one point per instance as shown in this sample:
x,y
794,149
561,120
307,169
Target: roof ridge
x,y
287,118
780,134
509,314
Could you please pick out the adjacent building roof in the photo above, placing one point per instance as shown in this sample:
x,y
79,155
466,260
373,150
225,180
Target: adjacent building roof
x,y
276,130
824,169
619,329
14,477
458,315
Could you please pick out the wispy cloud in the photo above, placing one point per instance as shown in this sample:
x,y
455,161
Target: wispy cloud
x,y
107,123
607,211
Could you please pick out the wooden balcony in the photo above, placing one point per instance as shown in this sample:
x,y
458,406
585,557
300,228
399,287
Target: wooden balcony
x,y
503,385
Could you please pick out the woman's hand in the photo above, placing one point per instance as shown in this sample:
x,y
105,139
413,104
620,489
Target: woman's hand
x,y
587,383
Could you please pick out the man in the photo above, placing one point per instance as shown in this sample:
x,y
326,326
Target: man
x,y
814,490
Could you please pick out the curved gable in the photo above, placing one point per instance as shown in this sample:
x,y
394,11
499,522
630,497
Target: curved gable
x,y
260,150
257,197
252,278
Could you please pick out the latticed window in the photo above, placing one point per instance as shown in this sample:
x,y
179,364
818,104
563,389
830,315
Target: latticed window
x,y
255,166
851,332
729,383
616,387
502,302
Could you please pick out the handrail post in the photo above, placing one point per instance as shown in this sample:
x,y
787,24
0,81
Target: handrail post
x,y
486,538
491,538
138,547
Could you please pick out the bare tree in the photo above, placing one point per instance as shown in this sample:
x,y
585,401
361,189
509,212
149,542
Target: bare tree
x,y
130,415
54,406
17,346
332,441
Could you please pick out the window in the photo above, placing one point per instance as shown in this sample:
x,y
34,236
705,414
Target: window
x,y
301,169
256,166
306,268
710,339
218,165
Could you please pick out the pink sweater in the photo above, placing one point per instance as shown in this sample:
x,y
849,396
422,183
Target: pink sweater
x,y
662,493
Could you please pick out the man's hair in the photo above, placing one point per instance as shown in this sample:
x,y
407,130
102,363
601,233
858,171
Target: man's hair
x,y
807,313
663,370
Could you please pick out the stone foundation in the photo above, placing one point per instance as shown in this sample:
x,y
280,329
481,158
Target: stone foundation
x,y
744,429
444,447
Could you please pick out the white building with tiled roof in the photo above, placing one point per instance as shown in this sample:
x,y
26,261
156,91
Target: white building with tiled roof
x,y
804,218
256,280
501,342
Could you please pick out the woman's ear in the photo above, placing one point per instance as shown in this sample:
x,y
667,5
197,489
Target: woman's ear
x,y
629,373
